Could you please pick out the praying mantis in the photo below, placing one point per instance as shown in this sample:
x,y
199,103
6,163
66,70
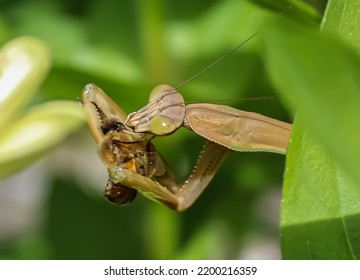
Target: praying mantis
x,y
133,164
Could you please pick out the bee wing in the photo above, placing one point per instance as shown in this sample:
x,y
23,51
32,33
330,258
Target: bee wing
x,y
156,166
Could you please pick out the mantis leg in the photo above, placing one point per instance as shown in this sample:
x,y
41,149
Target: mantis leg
x,y
165,190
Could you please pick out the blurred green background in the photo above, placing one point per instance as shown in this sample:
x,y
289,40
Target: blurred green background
x,y
55,209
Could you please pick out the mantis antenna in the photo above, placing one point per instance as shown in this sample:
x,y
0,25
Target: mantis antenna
x,y
228,53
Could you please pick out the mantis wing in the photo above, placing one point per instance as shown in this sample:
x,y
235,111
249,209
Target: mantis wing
x,y
238,130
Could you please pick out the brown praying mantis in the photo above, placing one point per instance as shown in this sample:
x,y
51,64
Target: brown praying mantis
x,y
124,143
133,164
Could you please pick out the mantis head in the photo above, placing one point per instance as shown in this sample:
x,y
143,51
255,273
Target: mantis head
x,y
164,113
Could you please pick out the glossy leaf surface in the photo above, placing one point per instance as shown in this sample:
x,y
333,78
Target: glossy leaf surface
x,y
316,76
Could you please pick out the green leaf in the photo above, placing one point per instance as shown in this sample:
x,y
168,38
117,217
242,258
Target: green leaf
x,y
341,18
297,9
320,210
316,76
24,64
39,130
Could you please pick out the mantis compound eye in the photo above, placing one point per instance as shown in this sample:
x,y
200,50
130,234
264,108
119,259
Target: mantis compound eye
x,y
170,110
159,90
162,125
119,194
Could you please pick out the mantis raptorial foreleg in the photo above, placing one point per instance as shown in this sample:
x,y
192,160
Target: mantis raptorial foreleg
x,y
165,189
235,129
131,159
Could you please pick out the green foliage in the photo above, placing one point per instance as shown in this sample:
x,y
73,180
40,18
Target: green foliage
x,y
128,47
26,137
293,8
317,77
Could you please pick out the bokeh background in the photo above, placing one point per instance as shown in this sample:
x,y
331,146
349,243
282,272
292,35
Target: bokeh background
x,y
55,208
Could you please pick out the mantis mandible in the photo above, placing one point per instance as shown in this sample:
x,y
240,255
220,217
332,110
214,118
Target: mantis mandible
x,y
124,143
